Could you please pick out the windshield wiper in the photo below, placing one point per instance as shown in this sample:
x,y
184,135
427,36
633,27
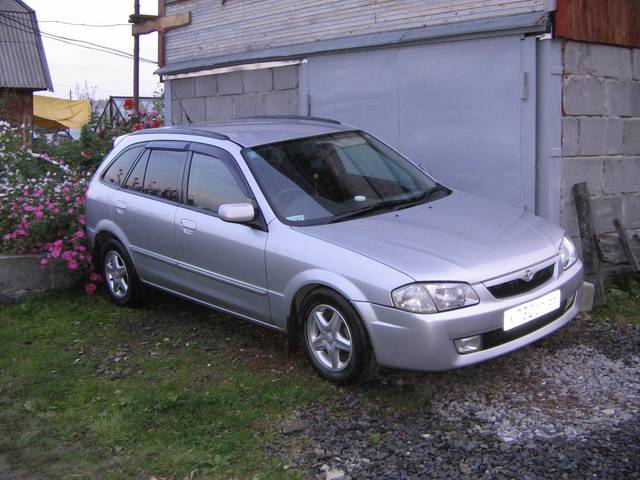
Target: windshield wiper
x,y
437,188
388,205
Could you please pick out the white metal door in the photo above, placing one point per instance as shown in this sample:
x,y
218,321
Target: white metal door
x,y
463,109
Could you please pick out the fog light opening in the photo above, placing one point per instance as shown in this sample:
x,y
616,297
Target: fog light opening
x,y
468,344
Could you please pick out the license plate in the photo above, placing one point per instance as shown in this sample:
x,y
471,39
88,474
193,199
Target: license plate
x,y
516,316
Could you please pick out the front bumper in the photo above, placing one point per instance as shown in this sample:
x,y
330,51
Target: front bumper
x,y
425,342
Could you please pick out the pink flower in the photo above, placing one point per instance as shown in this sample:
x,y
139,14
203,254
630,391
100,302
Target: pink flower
x,y
67,255
79,234
94,277
90,288
69,211
82,220
57,243
22,232
38,214
72,264
44,261
51,205
37,193
55,253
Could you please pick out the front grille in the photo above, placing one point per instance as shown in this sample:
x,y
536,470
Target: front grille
x,y
519,286
498,337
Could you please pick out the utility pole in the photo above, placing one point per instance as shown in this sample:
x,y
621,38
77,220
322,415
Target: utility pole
x,y
136,57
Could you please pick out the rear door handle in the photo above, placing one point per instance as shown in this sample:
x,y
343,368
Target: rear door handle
x,y
188,226
120,205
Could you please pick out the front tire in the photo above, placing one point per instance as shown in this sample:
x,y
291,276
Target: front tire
x,y
119,276
334,338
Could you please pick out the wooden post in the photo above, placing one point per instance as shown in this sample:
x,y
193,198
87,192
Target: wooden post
x,y
136,59
589,241
626,245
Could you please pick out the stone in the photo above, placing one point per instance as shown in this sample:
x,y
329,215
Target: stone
x,y
605,209
569,136
219,108
621,175
284,102
291,428
183,88
257,81
631,210
576,56
21,277
599,136
248,105
335,474
609,61
618,97
230,83
582,169
285,78
636,63
631,137
206,86
583,96
194,110
176,113
609,411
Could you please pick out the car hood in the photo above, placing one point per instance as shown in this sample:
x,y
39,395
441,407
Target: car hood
x,y
461,237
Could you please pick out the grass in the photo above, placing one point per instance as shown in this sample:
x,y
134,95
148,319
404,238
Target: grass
x,y
623,300
89,390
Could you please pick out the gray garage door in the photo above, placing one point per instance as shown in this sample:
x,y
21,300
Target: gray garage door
x,y
464,109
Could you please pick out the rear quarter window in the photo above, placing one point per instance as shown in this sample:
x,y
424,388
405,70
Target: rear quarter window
x,y
115,173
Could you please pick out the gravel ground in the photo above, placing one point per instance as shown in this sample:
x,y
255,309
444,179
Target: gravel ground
x,y
566,407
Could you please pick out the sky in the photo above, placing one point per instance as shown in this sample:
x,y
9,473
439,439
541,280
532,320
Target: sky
x,y
72,66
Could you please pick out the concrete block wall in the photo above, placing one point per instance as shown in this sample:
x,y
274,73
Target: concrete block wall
x,y
272,91
601,140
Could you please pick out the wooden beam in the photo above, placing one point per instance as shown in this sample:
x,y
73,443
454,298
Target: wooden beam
x,y
162,24
626,245
589,241
615,22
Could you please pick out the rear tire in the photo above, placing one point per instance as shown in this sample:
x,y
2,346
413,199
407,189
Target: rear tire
x,y
334,338
120,278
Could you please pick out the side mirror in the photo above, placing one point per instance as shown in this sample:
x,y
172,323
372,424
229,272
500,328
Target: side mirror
x,y
237,212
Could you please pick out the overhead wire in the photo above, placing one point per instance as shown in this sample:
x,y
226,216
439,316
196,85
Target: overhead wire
x,y
94,25
88,45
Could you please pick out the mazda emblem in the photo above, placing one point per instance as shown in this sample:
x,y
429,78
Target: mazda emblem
x,y
528,275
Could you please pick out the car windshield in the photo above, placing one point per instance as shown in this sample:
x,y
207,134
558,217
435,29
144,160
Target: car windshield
x,y
335,177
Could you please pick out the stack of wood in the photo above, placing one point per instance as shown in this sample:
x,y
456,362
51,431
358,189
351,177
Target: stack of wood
x,y
591,248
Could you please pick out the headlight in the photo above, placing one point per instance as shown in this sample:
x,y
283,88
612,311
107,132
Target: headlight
x,y
434,297
568,255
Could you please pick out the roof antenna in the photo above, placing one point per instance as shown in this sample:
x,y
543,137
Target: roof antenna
x,y
173,94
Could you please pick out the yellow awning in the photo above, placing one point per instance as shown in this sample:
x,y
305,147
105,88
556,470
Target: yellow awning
x,y
50,112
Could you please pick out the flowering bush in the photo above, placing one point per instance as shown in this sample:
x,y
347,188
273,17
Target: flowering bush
x,y
138,119
45,214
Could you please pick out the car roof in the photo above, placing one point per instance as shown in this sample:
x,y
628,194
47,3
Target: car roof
x,y
254,131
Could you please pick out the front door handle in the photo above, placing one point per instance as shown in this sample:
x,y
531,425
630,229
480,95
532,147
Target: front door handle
x,y
188,226
120,205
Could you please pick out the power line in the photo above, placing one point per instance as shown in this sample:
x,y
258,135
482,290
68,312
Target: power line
x,y
70,41
96,25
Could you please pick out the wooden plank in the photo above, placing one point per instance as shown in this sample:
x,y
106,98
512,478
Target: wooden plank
x,y
626,245
589,241
237,26
615,22
162,24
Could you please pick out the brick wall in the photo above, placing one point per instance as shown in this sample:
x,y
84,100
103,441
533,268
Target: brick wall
x,y
272,91
601,140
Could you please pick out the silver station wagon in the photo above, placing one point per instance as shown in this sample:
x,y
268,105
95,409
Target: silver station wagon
x,y
323,232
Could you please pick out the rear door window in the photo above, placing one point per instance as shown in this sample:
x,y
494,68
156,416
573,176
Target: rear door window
x,y
164,170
